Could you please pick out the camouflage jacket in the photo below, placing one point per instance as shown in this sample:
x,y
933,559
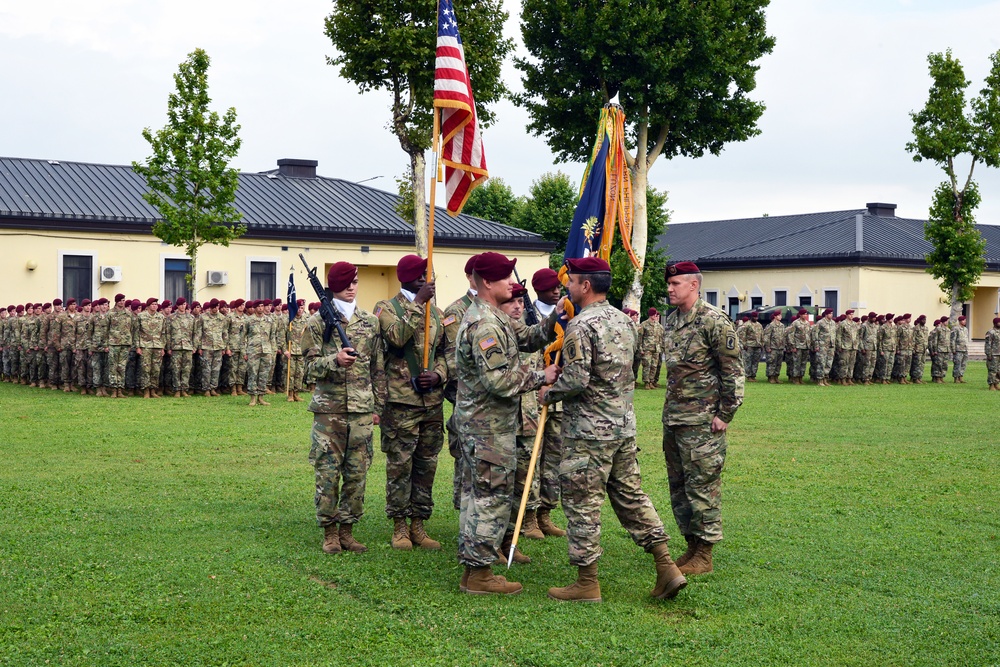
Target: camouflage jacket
x,y
298,325
453,316
959,339
181,331
150,332
752,334
847,335
904,338
280,332
887,338
597,384
65,325
404,335
121,331
31,325
939,340
992,342
236,334
98,332
214,332
359,388
704,370
83,331
259,335
919,339
798,334
774,336
527,423
491,376
826,334
868,337
650,337
49,330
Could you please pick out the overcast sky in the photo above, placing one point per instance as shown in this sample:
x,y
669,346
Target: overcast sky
x,y
81,79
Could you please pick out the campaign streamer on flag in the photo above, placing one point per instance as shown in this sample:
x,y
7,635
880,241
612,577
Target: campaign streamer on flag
x,y
462,144
293,303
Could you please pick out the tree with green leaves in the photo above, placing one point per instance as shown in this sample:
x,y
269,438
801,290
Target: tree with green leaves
x,y
190,182
390,45
947,128
494,200
682,71
548,211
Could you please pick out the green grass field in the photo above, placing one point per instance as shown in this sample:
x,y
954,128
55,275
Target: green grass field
x,y
861,529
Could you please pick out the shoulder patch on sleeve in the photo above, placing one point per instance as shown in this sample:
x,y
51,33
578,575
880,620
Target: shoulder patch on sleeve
x,y
448,320
571,348
378,311
487,343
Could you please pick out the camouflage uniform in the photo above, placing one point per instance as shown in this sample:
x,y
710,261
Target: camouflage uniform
x,y
919,353
342,406
237,345
992,348
149,339
260,351
650,348
412,424
752,340
65,324
705,380
886,351
599,450
453,316
295,364
904,351
798,337
31,343
939,344
121,338
280,347
48,331
847,346
214,343
960,350
826,336
99,349
181,333
774,345
490,380
868,349
527,428
81,351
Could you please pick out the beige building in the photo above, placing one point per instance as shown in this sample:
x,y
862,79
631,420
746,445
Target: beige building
x,y
866,259
83,230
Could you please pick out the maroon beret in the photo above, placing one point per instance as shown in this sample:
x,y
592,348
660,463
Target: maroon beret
x,y
585,265
223,304
19,309
134,305
119,297
494,266
518,291
745,319
872,315
907,316
44,307
237,303
682,269
470,266
276,302
10,309
181,301
880,319
962,317
314,305
410,268
544,280
70,301
196,304
284,308
864,318
85,302
56,302
166,303
300,302
753,315
651,312
151,300
828,311
214,303
803,311
848,311
776,314
996,321
888,316
340,276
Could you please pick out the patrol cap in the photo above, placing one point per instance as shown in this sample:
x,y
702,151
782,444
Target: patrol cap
x,y
341,275
682,269
410,268
651,312
470,266
586,265
494,266
544,280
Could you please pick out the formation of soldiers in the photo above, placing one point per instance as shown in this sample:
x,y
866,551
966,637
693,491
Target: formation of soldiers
x,y
150,349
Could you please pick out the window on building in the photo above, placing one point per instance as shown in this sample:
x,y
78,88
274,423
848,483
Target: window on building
x,y
712,297
756,301
780,297
734,307
830,298
175,273
78,277
805,301
263,280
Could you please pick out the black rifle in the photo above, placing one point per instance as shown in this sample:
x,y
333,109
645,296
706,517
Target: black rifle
x,y
530,314
329,314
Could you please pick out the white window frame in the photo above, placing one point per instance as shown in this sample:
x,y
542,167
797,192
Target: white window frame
x,y
839,303
774,295
95,271
164,256
716,293
277,272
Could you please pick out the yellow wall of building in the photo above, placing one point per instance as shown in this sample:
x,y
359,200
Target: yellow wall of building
x,y
141,260
795,282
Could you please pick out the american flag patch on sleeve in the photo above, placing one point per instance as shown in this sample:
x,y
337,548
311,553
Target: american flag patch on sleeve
x,y
378,311
487,343
448,320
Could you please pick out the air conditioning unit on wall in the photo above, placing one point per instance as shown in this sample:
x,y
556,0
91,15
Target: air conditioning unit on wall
x,y
218,278
111,274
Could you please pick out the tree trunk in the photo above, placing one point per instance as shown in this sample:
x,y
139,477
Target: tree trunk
x,y
956,303
640,177
417,172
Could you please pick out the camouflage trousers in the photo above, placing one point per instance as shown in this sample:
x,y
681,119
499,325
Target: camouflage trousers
x,y
99,368
901,365
845,366
591,470
81,368
412,438
267,377
824,359
34,366
196,372
150,362
238,370
455,449
993,369
488,469
522,450
51,363
751,361
257,365
211,366
939,365
868,359
117,361
835,366
959,360
883,365
549,458
280,364
800,357
341,454
133,370
66,366
695,458
5,362
181,367
650,367
917,365
295,372
774,359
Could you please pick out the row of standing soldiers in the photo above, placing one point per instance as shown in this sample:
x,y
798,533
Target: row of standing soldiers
x,y
152,347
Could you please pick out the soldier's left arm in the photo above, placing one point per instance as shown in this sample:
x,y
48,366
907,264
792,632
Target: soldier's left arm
x,y
536,337
577,357
726,351
380,386
441,352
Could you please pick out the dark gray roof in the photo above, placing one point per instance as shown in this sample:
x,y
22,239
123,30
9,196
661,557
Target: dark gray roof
x,y
809,239
83,197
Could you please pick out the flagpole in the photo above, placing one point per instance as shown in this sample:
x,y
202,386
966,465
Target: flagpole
x,y
430,234
288,365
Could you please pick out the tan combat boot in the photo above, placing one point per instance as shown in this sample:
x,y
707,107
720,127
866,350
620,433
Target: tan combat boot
x,y
701,561
519,557
585,589
669,580
298,399
463,584
261,401
401,535
83,392
331,539
155,391
289,396
419,537
546,525
242,390
482,581
145,393
207,394
692,543
530,527
253,401
347,541
234,392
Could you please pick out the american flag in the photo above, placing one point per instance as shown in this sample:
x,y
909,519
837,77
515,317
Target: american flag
x,y
462,152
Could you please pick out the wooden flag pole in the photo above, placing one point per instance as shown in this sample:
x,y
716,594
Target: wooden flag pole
x,y
430,236
288,365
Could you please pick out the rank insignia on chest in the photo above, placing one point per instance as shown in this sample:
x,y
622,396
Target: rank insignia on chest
x,y
448,320
487,343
